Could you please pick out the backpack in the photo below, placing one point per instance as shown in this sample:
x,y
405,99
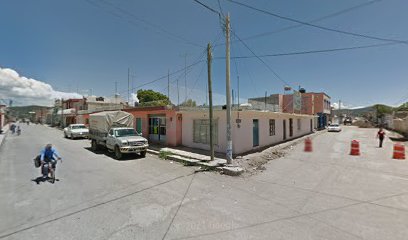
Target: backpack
x,y
37,161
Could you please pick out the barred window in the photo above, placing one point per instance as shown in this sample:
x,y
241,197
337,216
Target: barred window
x,y
201,131
271,127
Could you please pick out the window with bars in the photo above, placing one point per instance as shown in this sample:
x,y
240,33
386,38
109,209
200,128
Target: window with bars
x,y
271,127
201,131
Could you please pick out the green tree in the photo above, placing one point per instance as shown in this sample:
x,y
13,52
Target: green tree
x,y
152,98
189,103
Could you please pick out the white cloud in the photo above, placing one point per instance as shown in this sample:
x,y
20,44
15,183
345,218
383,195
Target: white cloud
x,y
336,106
28,91
134,99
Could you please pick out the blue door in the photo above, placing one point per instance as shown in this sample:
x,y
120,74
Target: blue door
x,y
255,133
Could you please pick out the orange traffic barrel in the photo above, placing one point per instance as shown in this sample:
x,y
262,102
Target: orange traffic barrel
x,y
355,148
399,151
308,145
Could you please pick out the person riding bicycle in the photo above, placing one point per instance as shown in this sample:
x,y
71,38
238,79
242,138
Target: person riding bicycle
x,y
47,158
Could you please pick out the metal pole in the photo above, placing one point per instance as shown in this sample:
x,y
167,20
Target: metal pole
x,y
228,91
128,87
168,84
265,98
238,95
62,112
210,98
178,93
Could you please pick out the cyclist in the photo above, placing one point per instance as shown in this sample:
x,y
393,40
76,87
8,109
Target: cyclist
x,y
48,161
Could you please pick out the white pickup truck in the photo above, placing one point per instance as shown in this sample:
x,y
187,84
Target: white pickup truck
x,y
114,131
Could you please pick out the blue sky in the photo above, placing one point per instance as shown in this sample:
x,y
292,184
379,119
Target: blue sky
x,y
90,44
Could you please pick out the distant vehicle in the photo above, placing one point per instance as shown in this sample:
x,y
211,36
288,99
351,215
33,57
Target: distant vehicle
x,y
114,131
348,121
76,131
334,127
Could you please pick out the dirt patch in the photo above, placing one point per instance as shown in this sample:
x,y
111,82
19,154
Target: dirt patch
x,y
255,162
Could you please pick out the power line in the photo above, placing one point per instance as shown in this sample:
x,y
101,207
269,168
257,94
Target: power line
x,y
260,59
317,26
313,51
335,14
132,15
208,7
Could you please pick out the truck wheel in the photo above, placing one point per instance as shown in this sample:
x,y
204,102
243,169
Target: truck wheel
x,y
143,154
118,154
94,145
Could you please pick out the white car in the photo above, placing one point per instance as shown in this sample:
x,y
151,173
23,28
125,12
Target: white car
x,y
334,127
76,131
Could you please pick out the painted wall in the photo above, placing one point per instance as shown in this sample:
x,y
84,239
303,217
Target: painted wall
x,y
243,136
172,135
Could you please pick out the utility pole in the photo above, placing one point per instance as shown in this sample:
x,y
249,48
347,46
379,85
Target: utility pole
x,y
228,89
238,95
233,100
128,93
185,75
168,84
178,93
62,113
265,99
210,98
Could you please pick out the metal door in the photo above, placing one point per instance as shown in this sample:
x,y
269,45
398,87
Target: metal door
x,y
139,125
284,129
255,133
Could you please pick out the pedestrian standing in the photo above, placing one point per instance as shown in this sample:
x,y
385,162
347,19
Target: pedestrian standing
x,y
380,136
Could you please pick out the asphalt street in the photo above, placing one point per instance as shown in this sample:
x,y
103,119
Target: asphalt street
x,y
326,194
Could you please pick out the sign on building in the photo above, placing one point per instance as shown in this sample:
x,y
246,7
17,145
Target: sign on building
x,y
297,100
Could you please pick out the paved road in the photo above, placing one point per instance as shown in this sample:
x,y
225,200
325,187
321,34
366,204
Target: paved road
x,y
326,194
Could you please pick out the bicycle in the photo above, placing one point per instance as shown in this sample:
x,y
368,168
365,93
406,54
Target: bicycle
x,y
51,169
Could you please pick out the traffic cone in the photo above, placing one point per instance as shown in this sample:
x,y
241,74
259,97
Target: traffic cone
x,y
399,151
308,145
355,148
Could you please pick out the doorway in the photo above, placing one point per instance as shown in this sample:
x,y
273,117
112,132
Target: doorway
x,y
139,125
311,125
157,128
255,132
290,127
284,129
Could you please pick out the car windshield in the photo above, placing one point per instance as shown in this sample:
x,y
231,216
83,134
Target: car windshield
x,y
78,127
125,132
334,125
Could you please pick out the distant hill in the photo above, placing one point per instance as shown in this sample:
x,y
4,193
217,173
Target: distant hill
x,y
358,112
365,111
23,111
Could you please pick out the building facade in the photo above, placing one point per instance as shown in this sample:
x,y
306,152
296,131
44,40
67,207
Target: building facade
x,y
251,130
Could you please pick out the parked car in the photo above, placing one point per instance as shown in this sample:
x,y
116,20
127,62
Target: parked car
x,y
113,131
76,131
334,127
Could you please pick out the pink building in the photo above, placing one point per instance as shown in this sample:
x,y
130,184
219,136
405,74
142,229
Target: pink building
x,y
161,125
312,103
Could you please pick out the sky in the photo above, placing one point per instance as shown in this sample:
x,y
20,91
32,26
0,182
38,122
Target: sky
x,y
66,48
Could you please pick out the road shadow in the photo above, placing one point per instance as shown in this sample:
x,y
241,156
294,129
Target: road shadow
x,y
40,179
126,157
